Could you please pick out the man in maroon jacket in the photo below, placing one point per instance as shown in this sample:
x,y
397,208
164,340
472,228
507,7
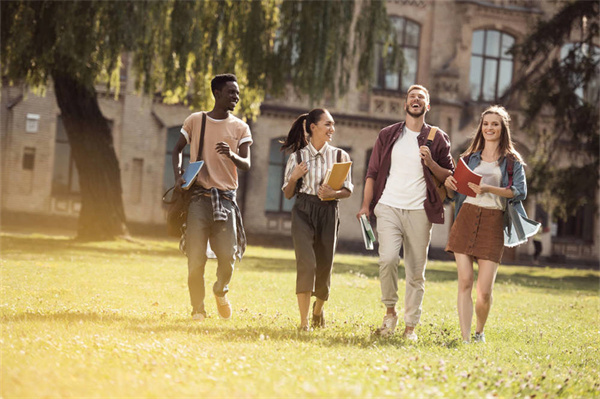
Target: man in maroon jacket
x,y
400,191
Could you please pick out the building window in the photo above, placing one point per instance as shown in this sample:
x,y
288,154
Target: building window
x,y
172,137
28,158
65,179
579,226
276,201
491,64
32,124
399,72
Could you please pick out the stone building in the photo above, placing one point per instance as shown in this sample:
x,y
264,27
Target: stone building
x,y
455,48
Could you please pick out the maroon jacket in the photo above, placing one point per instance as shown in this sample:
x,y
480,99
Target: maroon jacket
x,y
381,160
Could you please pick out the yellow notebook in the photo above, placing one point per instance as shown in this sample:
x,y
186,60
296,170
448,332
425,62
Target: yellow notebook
x,y
336,175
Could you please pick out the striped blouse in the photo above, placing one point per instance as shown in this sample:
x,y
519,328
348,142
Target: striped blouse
x,y
318,163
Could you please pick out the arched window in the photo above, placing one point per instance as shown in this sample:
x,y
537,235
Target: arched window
x,y
389,74
276,201
491,64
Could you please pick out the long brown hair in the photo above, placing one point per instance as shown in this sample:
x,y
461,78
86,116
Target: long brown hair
x,y
296,138
506,146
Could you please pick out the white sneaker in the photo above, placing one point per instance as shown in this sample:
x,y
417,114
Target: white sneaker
x,y
199,317
389,325
479,338
411,336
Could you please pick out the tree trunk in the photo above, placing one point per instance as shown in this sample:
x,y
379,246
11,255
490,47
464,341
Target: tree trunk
x,y
102,216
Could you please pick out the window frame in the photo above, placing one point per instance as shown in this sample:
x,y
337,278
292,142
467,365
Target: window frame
x,y
380,73
497,59
280,211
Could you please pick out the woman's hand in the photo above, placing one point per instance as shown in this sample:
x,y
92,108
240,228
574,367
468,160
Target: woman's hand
x,y
299,170
479,188
326,191
450,182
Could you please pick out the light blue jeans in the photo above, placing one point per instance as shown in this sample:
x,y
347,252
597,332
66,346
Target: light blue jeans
x,y
222,235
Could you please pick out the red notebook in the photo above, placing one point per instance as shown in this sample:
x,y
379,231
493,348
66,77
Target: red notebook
x,y
464,175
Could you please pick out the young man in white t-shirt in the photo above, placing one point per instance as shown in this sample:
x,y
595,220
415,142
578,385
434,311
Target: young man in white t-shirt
x,y
400,192
213,213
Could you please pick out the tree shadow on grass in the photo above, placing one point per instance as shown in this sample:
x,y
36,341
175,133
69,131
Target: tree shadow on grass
x,y
328,337
72,317
574,282
369,269
341,335
45,245
588,282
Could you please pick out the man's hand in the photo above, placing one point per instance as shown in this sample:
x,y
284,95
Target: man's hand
x,y
364,210
425,155
224,149
178,183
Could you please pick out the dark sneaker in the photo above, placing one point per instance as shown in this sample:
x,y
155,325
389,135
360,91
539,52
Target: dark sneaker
x,y
318,321
223,307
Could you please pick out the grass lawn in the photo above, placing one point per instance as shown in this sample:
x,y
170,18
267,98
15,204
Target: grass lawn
x,y
112,320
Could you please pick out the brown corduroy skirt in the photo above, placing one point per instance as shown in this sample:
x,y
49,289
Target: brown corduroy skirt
x,y
478,232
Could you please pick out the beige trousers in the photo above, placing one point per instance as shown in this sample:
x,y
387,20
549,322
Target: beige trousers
x,y
411,229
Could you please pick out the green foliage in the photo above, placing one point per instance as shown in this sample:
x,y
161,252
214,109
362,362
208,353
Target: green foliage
x,y
112,320
567,89
179,45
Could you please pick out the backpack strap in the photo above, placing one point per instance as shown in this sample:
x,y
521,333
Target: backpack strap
x,y
339,156
431,135
201,143
298,161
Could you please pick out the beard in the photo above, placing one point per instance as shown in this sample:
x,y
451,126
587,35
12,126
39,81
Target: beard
x,y
414,114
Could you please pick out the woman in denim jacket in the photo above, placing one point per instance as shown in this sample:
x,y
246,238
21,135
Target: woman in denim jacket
x,y
477,232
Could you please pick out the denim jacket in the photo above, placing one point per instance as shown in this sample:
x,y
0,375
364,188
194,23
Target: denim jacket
x,y
519,184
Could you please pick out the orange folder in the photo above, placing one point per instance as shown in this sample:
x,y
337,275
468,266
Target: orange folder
x,y
336,175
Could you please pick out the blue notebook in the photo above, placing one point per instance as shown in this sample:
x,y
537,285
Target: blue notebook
x,y
191,173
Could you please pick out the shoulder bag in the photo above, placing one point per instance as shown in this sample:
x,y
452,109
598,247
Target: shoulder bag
x,y
178,202
439,185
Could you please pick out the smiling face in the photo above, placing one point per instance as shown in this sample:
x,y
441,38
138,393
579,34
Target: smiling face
x,y
491,127
417,103
323,130
228,97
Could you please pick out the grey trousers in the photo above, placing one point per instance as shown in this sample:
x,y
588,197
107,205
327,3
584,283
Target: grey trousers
x,y
222,235
411,229
314,232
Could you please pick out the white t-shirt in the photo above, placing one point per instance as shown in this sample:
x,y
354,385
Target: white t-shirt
x,y
490,174
405,187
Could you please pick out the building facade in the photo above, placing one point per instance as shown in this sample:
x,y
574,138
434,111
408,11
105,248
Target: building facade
x,y
457,49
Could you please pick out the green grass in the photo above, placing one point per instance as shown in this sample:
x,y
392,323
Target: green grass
x,y
112,320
